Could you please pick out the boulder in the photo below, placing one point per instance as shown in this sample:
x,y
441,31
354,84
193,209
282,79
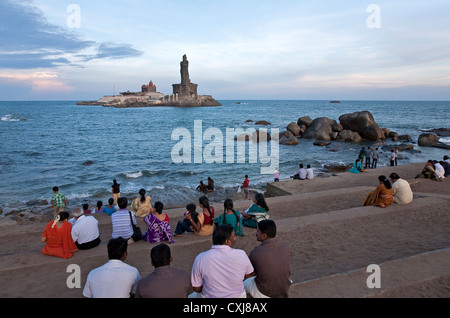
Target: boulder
x,y
263,122
442,145
320,129
294,128
363,123
427,140
349,136
321,143
260,135
291,140
305,120
442,132
337,167
286,133
405,137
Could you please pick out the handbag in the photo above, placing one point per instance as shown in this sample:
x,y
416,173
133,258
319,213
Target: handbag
x,y
137,233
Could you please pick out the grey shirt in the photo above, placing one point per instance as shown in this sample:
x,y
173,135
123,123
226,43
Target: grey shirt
x,y
165,282
271,261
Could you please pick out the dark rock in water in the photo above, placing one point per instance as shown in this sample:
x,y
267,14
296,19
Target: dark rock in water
x,y
37,202
320,129
87,163
442,145
405,137
321,143
260,135
305,120
291,140
427,140
249,121
348,136
263,122
442,132
363,123
294,128
335,102
400,147
337,167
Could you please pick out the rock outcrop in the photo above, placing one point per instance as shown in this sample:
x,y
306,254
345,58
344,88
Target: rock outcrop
x,y
363,123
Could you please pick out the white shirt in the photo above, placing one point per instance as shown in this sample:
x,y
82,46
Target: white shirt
x,y
220,271
402,192
85,229
115,279
302,173
309,173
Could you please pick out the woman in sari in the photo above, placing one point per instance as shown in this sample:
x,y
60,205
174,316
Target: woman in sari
x,y
158,226
230,216
58,238
256,212
357,168
142,205
207,215
382,195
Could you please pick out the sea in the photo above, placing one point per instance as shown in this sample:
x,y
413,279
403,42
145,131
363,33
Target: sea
x,y
167,150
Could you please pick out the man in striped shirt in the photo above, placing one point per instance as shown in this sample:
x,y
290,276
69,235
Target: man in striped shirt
x,y
121,222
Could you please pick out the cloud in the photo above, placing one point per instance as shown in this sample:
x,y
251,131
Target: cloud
x,y
29,41
40,82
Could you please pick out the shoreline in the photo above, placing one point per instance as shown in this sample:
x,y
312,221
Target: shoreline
x,y
331,236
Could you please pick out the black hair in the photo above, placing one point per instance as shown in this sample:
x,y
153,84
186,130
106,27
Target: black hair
x,y
117,247
191,209
55,188
159,207
393,175
122,202
111,201
99,204
221,234
228,205
268,227
85,206
387,183
260,201
63,215
205,202
160,255
142,194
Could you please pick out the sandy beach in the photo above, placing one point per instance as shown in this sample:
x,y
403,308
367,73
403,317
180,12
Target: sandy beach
x,y
333,239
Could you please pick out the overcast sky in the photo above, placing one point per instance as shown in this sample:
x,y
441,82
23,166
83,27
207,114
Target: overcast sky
x,y
246,49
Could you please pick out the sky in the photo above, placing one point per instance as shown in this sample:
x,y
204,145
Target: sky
x,y
247,49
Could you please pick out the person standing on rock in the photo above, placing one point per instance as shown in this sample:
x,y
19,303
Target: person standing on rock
x,y
375,156
59,201
368,157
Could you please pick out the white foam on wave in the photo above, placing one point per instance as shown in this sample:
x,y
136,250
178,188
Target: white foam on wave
x,y
134,175
445,140
9,117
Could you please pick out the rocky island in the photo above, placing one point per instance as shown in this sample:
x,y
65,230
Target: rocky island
x,y
183,95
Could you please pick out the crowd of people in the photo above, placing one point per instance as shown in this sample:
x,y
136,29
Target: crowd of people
x,y
436,170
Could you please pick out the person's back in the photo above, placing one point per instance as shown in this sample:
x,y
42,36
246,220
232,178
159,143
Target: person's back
x,y
164,281
309,172
271,261
85,230
115,279
402,191
220,271
121,222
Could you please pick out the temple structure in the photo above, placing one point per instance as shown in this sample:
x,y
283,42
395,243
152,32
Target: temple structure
x,y
184,94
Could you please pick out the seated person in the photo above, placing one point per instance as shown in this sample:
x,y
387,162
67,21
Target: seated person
x,y
98,208
85,231
301,173
428,172
309,172
57,237
110,208
230,216
256,212
440,172
202,187
357,168
192,223
382,195
158,226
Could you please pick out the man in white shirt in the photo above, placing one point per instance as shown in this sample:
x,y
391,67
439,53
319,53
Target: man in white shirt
x,y
85,231
401,189
301,173
115,279
220,271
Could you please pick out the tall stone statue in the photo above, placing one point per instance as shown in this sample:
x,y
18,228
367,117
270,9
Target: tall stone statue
x,y
184,70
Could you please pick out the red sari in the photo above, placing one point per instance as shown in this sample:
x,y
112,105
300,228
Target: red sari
x,y
59,240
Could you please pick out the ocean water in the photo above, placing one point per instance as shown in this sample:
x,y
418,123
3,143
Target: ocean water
x,y
82,149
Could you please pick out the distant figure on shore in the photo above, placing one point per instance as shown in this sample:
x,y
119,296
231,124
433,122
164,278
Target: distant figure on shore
x,y
85,231
257,212
446,164
59,201
141,206
368,157
115,191
301,173
230,216
159,229
375,157
401,190
309,172
245,186
392,158
57,237
440,172
210,186
276,175
428,172
396,155
220,272
362,154
202,187
382,195
271,261
115,279
164,281
357,168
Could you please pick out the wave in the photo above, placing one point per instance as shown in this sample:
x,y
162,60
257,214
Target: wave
x,y
9,117
445,140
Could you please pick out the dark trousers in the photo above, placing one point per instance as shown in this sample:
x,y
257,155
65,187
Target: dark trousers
x,y
374,163
367,162
183,226
88,245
